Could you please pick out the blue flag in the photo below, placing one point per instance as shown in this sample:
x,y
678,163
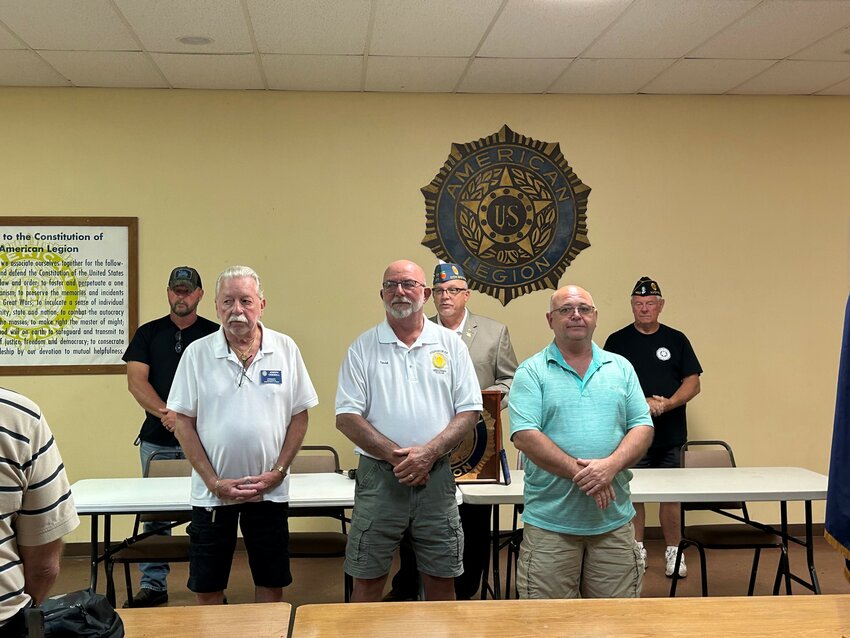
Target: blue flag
x,y
837,527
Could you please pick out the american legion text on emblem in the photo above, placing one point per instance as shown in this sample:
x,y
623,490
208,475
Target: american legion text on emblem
x,y
510,211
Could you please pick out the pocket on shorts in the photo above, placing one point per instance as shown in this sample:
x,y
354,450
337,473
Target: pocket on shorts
x,y
358,540
455,535
640,563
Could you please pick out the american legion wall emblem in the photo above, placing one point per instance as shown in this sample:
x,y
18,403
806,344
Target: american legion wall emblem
x,y
509,210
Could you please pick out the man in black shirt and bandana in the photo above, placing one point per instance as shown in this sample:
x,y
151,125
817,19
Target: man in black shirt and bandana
x,y
152,358
668,371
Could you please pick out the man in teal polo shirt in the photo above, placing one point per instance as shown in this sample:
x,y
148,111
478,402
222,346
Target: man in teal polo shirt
x,y
579,415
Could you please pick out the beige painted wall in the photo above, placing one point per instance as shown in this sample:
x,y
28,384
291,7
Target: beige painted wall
x,y
737,205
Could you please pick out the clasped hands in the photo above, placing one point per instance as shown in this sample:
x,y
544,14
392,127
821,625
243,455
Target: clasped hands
x,y
594,479
657,404
413,466
247,489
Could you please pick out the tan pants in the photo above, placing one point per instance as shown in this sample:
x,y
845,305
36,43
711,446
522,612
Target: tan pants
x,y
555,565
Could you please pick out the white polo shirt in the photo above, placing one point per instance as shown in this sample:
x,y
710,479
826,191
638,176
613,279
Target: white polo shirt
x,y
408,394
242,428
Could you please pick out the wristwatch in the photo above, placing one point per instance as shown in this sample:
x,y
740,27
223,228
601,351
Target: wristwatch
x,y
281,469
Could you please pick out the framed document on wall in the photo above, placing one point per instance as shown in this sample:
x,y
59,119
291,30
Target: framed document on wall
x,y
68,294
476,459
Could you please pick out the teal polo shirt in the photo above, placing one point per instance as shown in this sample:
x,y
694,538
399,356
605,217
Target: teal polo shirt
x,y
587,418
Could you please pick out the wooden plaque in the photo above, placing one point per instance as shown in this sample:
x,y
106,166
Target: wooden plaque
x,y
476,459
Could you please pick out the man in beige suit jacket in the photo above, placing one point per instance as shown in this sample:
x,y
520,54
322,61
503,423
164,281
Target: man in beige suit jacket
x,y
494,359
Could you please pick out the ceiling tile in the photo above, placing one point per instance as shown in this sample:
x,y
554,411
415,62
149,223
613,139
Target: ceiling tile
x,y
666,28
705,77
159,23
316,27
500,75
608,76
210,71
106,68
796,77
776,29
440,28
842,88
8,41
413,75
313,72
833,47
25,68
546,29
71,25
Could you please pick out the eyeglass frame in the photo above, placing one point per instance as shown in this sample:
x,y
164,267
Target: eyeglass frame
x,y
178,342
408,285
454,292
567,310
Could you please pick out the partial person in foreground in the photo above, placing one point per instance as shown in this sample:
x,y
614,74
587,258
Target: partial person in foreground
x,y
152,358
36,510
489,344
241,396
407,396
669,371
579,416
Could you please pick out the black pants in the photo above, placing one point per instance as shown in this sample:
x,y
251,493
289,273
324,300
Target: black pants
x,y
475,520
15,627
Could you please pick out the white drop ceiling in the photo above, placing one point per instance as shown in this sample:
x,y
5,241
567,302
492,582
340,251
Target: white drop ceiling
x,y
769,47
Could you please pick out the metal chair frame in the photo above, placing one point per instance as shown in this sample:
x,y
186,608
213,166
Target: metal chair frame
x,y
753,535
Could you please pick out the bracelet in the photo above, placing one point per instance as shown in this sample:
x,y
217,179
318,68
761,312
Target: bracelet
x,y
215,488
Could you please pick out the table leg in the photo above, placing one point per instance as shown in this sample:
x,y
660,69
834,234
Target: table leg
x,y
810,549
93,575
497,585
107,538
783,510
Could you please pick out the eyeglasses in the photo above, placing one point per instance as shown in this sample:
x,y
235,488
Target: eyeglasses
x,y
454,292
241,376
406,284
178,341
583,309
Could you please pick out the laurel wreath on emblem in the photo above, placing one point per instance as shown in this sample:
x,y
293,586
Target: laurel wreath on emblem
x,y
542,225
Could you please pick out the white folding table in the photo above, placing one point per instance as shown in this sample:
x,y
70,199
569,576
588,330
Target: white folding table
x,y
113,496
688,485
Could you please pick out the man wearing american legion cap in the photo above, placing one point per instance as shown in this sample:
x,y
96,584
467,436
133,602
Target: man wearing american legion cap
x,y
668,370
489,344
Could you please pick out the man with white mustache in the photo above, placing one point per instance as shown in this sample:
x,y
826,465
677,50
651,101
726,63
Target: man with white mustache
x,y
407,395
241,396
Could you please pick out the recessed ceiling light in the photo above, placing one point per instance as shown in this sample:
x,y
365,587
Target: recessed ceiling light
x,y
195,40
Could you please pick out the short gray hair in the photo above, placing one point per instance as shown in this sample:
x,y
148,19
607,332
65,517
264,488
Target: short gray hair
x,y
235,272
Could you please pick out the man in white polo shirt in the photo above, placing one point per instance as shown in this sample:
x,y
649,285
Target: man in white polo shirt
x,y
241,396
407,395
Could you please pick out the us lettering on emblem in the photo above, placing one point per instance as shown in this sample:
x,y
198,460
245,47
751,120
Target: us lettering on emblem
x,y
271,376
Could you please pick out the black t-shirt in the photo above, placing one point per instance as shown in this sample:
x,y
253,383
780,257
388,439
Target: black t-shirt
x,y
661,360
154,345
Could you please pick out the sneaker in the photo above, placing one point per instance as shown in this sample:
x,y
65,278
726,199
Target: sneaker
x,y
643,556
670,557
147,598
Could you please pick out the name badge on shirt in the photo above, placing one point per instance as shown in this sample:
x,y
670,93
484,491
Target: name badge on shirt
x,y
271,376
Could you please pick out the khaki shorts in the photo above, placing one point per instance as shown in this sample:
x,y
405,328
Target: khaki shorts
x,y
555,565
384,509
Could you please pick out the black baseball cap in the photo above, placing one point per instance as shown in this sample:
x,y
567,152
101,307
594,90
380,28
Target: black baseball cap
x,y
185,276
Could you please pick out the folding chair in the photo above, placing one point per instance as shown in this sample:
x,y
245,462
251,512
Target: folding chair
x,y
750,535
151,547
313,459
